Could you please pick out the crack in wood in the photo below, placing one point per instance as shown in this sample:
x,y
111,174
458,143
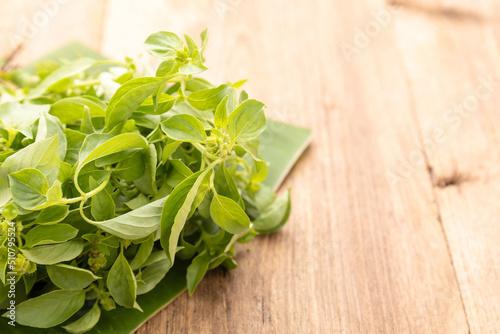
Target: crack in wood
x,y
447,242
454,179
450,13
435,197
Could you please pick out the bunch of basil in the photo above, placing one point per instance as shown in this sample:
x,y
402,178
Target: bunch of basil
x,y
107,177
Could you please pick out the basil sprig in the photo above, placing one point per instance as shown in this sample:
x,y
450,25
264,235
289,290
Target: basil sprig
x,y
108,178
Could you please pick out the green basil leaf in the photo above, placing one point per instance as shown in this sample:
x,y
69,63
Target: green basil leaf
x,y
146,121
184,128
177,209
143,253
75,141
86,322
128,98
165,103
169,149
177,173
208,98
220,119
42,155
247,121
102,205
259,171
225,185
243,96
152,275
204,40
155,257
158,95
70,110
54,196
29,281
91,170
197,83
86,125
131,168
29,187
275,216
49,234
135,224
63,72
20,117
137,202
181,168
91,143
163,45
65,172
264,197
52,254
233,100
230,264
52,215
192,68
69,277
252,148
10,212
147,182
167,67
191,44
98,146
196,270
206,117
121,282
228,214
50,309
49,126
238,84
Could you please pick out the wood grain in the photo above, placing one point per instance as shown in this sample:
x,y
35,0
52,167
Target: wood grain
x,y
44,25
466,162
395,221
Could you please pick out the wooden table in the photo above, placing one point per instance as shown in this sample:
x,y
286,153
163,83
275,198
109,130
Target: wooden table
x,y
396,217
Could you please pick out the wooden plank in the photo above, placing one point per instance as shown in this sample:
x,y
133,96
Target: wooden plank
x,y
361,253
365,250
453,69
42,26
